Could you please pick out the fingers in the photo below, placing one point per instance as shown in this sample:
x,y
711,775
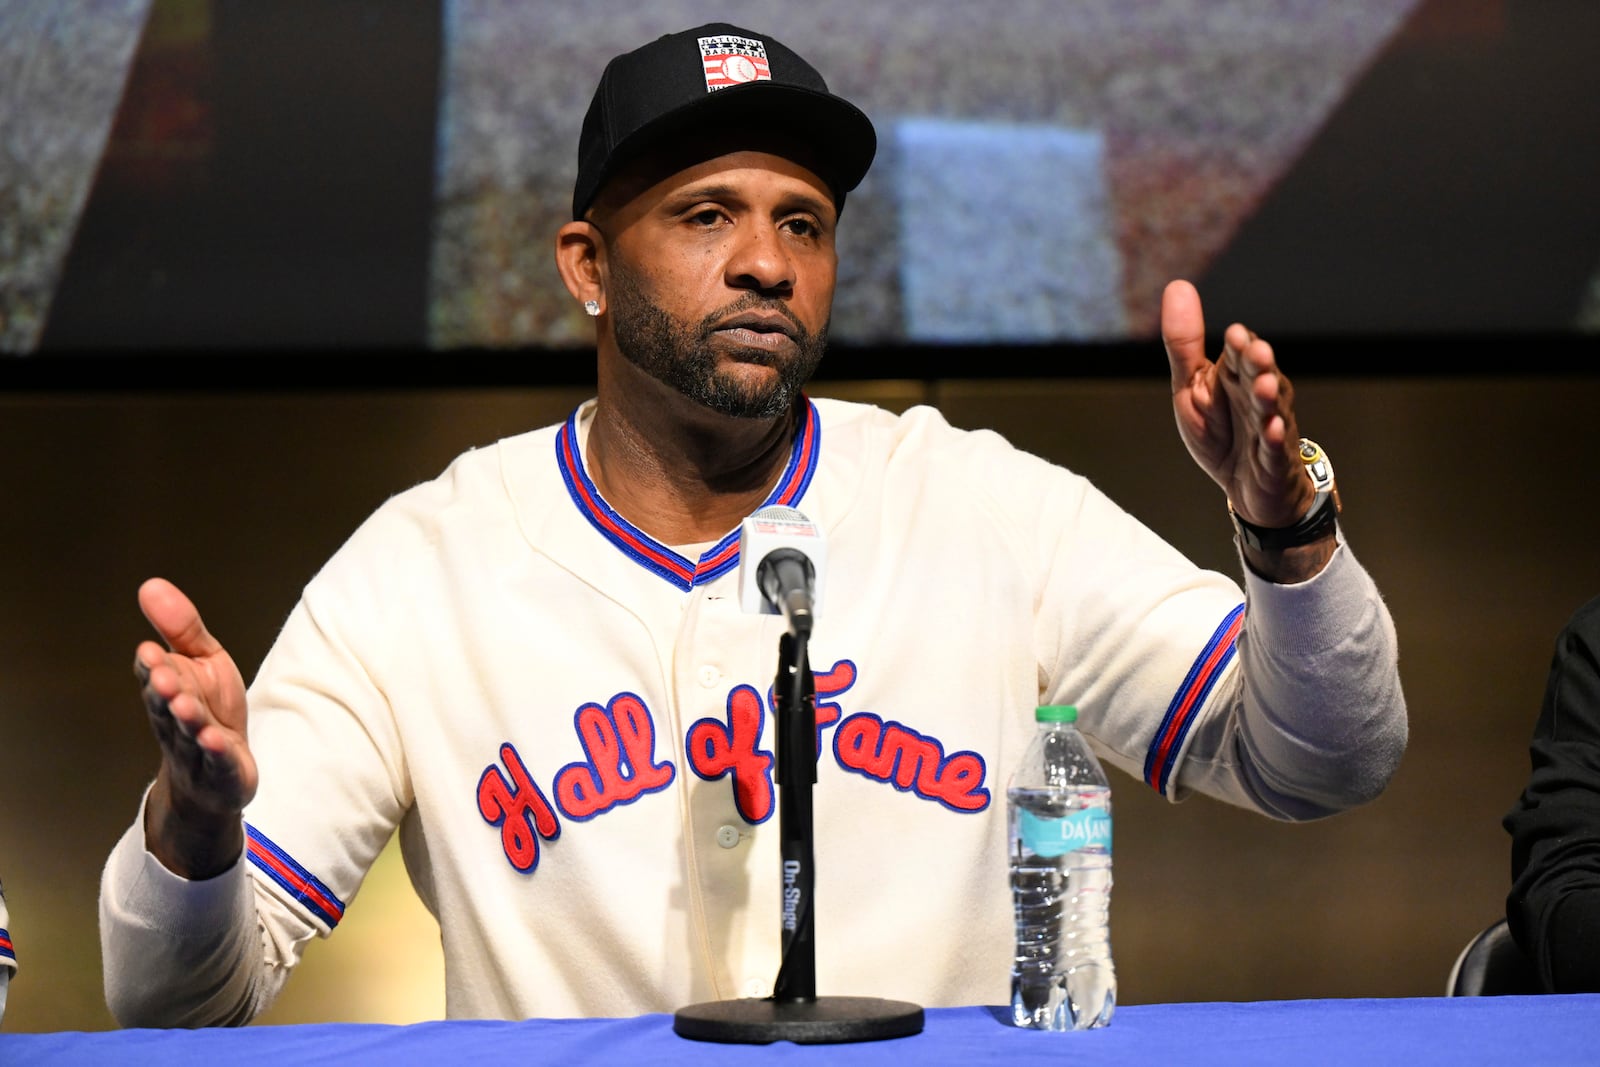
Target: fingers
x,y
1244,355
205,759
1183,331
195,702
177,714
176,619
1250,370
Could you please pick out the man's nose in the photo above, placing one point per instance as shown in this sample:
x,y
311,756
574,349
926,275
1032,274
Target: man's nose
x,y
760,261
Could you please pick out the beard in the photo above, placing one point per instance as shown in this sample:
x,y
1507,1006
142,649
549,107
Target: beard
x,y
680,355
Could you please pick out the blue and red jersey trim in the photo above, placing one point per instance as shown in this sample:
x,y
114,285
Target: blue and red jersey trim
x,y
1183,710
278,865
7,950
651,554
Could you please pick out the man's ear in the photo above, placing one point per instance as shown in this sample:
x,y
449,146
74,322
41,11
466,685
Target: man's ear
x,y
580,249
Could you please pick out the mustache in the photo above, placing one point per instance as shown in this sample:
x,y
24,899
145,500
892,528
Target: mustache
x,y
754,302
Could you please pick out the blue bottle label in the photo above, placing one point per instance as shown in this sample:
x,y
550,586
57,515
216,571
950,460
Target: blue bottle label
x,y
1085,828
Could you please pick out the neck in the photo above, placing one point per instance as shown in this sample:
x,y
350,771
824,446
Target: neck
x,y
680,472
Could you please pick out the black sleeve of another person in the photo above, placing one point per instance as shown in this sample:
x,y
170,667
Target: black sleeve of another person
x,y
1553,908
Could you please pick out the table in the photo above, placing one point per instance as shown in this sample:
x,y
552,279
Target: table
x,y
1522,1031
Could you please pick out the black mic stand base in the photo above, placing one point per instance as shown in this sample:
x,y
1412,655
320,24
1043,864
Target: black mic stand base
x,y
825,1020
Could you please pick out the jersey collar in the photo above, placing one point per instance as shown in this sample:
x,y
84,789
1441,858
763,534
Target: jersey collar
x,y
651,554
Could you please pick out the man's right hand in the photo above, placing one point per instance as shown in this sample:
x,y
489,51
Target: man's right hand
x,y
195,698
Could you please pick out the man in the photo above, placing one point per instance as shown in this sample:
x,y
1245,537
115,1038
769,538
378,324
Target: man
x,y
536,668
8,953
1553,908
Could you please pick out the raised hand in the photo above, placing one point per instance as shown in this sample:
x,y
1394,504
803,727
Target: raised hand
x,y
1236,415
195,699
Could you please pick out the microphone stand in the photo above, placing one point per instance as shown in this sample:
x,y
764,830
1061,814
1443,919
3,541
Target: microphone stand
x,y
794,1012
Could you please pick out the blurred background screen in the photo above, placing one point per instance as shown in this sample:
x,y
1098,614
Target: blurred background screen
x,y
382,176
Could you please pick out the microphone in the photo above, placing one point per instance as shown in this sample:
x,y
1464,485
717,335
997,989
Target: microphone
x,y
782,555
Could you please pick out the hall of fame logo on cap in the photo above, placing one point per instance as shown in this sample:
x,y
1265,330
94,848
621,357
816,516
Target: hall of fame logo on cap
x,y
733,61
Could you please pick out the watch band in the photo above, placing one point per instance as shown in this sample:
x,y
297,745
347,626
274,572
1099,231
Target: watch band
x,y
1318,521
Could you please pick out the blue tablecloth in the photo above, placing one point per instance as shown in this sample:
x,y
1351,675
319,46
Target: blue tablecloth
x,y
1517,1031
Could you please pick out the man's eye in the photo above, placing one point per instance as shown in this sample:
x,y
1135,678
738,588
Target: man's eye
x,y
804,228
706,217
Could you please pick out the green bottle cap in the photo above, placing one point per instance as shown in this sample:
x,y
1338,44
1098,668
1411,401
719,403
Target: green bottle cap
x,y
1055,713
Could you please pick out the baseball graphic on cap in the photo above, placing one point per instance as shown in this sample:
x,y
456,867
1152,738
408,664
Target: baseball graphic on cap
x,y
738,69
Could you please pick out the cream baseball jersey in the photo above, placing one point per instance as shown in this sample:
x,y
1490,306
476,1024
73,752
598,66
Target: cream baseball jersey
x,y
570,724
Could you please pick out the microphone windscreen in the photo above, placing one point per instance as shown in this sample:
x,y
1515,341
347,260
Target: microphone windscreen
x,y
764,532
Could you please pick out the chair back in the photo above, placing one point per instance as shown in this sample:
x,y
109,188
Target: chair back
x,y
1493,965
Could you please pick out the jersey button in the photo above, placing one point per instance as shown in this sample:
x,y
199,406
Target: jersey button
x,y
709,676
755,987
728,836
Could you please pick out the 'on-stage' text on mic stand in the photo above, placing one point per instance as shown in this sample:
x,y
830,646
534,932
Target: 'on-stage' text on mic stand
x,y
782,556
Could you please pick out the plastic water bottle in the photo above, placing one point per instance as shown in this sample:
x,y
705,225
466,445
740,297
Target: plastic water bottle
x,y
1059,806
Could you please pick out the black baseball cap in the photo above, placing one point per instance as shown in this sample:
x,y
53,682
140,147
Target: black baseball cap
x,y
708,78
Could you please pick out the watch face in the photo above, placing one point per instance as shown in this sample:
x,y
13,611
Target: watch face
x,y
1316,463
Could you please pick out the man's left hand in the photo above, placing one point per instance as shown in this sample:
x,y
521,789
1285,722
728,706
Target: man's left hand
x,y
1235,415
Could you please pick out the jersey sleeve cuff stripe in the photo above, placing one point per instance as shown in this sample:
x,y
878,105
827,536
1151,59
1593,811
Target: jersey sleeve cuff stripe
x,y
299,882
1191,695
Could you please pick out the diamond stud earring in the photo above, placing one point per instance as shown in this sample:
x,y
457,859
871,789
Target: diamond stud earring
x,y
592,307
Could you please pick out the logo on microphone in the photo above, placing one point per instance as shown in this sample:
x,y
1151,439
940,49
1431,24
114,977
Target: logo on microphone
x,y
780,529
779,533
